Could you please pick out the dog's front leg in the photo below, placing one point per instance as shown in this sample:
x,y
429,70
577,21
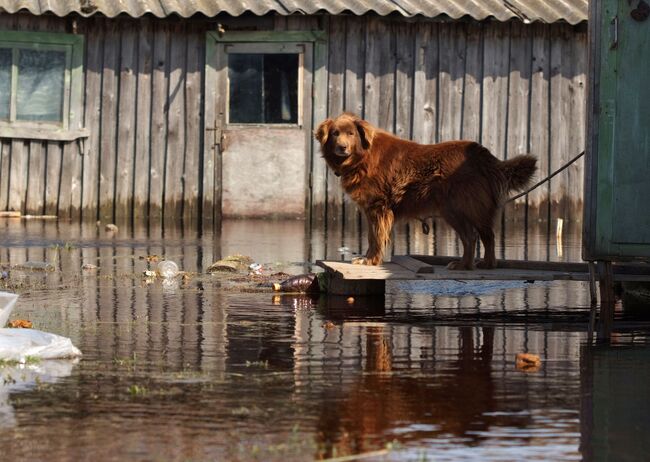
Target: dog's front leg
x,y
380,224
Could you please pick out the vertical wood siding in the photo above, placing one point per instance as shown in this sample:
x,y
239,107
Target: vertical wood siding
x,y
516,88
143,107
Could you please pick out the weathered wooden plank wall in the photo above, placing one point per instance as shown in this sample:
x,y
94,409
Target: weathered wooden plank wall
x,y
516,88
143,107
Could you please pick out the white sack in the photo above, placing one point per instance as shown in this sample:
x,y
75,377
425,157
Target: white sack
x,y
18,344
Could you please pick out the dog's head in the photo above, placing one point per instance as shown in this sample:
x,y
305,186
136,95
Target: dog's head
x,y
345,136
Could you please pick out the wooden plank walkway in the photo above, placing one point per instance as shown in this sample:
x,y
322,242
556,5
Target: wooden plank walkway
x,y
418,267
345,278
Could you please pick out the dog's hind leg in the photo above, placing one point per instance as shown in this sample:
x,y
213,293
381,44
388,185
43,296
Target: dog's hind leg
x,y
467,235
489,259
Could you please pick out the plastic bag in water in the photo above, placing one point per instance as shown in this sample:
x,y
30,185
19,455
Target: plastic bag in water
x,y
20,344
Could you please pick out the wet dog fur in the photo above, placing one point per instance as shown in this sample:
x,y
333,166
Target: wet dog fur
x,y
391,179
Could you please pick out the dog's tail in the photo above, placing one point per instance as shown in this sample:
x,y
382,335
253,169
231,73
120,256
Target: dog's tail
x,y
519,171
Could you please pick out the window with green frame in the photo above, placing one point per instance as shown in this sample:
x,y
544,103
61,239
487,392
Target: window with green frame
x,y
41,85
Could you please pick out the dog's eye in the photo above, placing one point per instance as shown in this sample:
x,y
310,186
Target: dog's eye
x,y
335,133
350,133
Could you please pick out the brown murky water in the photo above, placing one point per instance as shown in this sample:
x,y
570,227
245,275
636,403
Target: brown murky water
x,y
211,368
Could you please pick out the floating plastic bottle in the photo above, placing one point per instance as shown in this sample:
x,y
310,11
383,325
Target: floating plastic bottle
x,y
167,269
306,283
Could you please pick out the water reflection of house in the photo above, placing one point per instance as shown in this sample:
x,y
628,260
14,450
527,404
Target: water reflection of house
x,y
119,109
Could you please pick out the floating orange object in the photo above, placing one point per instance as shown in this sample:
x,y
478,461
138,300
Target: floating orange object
x,y
20,323
528,362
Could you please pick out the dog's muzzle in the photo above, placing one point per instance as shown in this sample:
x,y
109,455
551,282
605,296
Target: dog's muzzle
x,y
341,152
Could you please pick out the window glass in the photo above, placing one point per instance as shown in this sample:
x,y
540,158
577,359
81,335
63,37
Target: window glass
x,y
40,85
263,88
5,82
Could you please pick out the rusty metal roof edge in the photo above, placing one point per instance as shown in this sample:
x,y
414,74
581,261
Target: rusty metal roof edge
x,y
515,13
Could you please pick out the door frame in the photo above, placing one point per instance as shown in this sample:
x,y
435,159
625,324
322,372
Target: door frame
x,y
213,116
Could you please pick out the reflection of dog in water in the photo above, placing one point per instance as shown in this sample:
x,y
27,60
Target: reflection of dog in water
x,y
394,390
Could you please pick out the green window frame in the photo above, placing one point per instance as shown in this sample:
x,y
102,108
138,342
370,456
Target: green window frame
x,y
68,124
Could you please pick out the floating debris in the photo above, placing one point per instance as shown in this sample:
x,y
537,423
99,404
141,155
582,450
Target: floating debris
x,y
20,324
222,266
528,362
111,228
22,345
231,264
149,273
167,269
303,283
350,300
89,267
329,325
35,266
149,258
39,217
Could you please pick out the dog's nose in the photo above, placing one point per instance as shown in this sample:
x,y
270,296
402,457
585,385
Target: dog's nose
x,y
341,148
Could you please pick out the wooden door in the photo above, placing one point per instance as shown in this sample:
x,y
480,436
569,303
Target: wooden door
x,y
263,115
617,198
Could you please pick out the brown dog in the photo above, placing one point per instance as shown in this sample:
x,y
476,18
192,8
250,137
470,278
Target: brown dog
x,y
391,178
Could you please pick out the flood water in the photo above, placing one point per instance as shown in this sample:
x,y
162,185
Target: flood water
x,y
217,367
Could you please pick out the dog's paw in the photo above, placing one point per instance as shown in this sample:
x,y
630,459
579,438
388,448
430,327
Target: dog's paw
x,y
484,264
370,261
458,266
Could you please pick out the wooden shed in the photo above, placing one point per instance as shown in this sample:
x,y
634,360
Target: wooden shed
x,y
203,109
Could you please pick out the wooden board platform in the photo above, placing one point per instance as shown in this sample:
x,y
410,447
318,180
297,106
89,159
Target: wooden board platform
x,y
434,268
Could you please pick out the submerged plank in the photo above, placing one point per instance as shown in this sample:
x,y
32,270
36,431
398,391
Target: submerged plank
x,y
512,264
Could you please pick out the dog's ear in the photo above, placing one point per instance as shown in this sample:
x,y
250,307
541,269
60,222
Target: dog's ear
x,y
323,131
366,132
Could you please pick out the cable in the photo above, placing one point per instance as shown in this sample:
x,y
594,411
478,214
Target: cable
x,y
564,167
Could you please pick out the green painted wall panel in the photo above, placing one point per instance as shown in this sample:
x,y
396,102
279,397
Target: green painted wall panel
x,y
620,200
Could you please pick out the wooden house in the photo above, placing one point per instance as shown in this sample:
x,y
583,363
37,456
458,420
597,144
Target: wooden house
x,y
203,109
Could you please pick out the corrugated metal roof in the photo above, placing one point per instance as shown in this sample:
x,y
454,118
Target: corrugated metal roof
x,y
571,11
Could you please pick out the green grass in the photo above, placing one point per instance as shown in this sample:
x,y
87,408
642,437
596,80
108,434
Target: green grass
x,y
264,364
137,390
29,360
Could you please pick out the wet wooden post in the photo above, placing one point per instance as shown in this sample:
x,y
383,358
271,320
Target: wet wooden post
x,y
607,300
593,301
